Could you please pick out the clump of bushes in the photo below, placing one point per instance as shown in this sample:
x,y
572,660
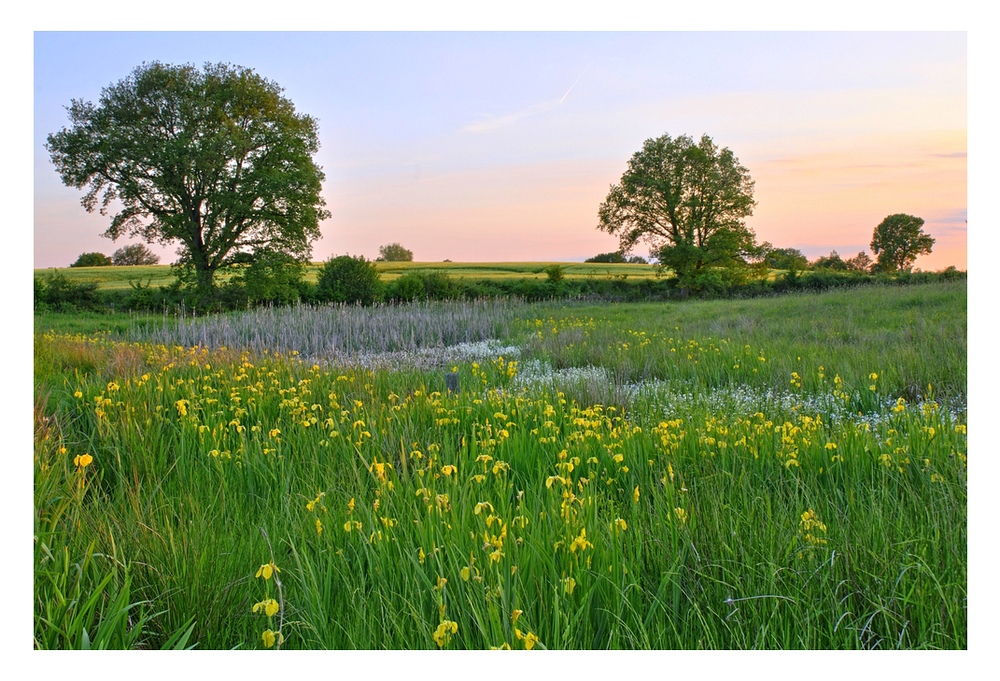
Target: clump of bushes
x,y
413,286
354,280
57,293
617,257
349,279
93,259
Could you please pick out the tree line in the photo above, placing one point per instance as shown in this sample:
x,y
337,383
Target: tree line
x,y
353,280
218,162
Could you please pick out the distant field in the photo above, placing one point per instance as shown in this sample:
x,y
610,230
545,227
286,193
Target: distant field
x,y
160,275
514,270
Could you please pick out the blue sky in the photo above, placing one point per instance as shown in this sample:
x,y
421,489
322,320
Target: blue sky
x,y
501,145
838,131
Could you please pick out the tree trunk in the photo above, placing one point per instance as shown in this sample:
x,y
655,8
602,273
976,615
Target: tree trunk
x,y
205,281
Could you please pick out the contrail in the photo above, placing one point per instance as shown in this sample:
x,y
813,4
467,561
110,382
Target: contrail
x,y
573,85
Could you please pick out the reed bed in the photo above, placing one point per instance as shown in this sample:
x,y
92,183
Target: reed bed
x,y
341,330
203,493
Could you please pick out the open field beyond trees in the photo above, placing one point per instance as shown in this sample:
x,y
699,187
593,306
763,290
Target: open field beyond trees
x,y
784,472
111,277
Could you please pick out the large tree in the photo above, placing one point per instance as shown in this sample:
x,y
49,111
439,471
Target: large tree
x,y
688,201
898,240
216,160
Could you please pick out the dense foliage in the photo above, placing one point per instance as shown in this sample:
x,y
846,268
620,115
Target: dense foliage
x,y
275,281
349,279
614,256
617,257
688,201
898,240
785,258
92,260
216,160
134,254
394,252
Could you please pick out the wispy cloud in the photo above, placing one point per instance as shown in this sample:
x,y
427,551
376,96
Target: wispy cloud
x,y
563,98
494,122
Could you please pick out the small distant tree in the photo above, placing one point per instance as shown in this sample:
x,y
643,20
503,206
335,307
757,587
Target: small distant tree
x,y
134,254
791,259
616,256
636,260
92,260
859,263
830,262
394,253
898,240
349,279
554,273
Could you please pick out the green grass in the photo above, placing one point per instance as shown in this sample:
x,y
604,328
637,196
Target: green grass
x,y
118,278
113,277
625,476
516,270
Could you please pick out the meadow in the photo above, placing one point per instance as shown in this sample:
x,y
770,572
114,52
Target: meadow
x,y
775,473
122,278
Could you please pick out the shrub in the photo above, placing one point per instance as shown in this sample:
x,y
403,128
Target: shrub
x,y
439,286
348,279
951,272
425,286
92,260
408,288
57,292
555,273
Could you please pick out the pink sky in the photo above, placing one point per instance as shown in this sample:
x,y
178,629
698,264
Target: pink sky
x,y
501,146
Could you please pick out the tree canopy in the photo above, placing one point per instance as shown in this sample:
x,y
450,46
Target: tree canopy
x,y
898,240
394,252
134,254
688,201
93,259
216,160
785,258
860,263
830,262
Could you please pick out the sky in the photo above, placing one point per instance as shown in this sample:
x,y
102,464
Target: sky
x,y
501,145
490,146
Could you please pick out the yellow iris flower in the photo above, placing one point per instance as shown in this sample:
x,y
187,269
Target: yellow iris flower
x,y
266,571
